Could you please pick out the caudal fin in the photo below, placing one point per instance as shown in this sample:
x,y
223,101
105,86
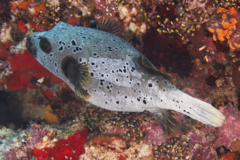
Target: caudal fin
x,y
206,113
197,109
165,119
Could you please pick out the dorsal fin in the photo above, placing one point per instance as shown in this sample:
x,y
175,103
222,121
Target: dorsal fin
x,y
78,74
109,25
145,63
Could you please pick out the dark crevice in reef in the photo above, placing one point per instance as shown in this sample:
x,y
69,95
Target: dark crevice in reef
x,y
168,51
11,111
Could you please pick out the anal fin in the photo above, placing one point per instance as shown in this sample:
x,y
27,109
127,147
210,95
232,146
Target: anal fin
x,y
167,122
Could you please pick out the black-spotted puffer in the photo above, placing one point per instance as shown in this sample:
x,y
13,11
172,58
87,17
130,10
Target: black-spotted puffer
x,y
108,72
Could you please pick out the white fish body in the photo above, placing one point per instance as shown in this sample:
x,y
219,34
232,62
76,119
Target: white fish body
x,y
108,72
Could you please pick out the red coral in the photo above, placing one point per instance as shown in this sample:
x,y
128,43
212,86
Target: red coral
x,y
47,92
4,50
229,156
72,21
70,148
21,26
24,68
122,158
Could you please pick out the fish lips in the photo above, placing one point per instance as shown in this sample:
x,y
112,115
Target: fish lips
x,y
31,47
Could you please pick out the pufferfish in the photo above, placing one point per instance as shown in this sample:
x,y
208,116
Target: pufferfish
x,y
107,71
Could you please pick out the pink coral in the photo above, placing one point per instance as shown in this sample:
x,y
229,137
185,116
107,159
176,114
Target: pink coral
x,y
154,134
229,132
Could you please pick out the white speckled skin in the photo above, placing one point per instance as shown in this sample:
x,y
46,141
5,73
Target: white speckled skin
x,y
118,82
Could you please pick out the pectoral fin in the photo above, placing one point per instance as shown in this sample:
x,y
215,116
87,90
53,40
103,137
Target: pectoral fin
x,y
78,74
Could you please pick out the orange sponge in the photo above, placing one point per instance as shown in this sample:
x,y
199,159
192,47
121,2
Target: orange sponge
x,y
49,116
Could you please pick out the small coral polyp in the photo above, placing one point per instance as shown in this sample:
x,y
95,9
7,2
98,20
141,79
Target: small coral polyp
x,y
225,28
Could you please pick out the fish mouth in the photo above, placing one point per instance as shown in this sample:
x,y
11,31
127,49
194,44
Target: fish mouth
x,y
31,48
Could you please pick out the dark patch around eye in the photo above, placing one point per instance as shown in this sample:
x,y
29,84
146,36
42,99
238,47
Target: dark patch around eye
x,y
45,45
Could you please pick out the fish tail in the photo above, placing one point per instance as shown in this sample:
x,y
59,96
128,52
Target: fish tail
x,y
199,110
166,120
207,114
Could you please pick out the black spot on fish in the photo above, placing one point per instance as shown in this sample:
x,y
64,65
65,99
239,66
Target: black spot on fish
x,y
73,43
144,101
109,48
94,54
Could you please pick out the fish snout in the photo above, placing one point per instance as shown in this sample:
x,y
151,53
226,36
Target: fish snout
x,y
31,48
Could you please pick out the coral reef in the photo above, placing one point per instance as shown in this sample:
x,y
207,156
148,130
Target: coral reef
x,y
43,141
226,27
229,132
196,42
115,148
69,148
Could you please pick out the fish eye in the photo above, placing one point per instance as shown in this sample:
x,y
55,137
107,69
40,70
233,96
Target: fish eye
x,y
45,45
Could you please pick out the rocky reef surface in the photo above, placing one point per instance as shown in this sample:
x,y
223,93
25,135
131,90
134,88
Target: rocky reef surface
x,y
195,42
